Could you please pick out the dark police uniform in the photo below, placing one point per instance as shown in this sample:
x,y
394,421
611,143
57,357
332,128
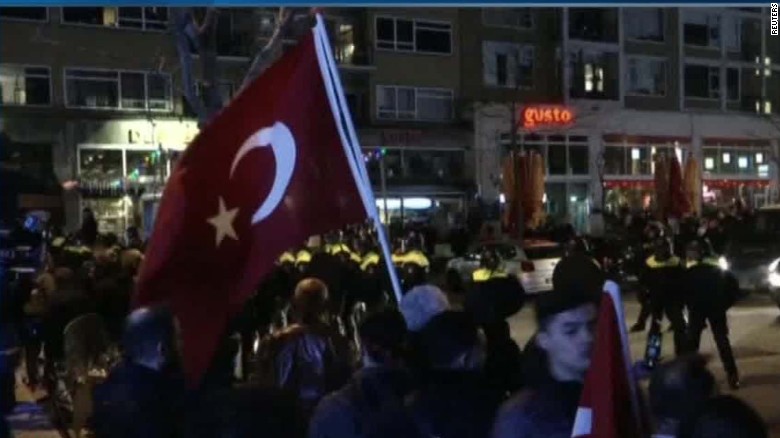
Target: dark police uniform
x,y
710,292
662,277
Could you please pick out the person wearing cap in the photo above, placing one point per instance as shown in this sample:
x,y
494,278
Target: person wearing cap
x,y
710,293
556,363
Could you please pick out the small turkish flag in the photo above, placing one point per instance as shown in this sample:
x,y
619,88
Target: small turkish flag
x,y
269,171
609,405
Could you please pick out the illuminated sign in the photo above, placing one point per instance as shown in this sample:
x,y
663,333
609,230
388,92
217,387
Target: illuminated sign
x,y
539,116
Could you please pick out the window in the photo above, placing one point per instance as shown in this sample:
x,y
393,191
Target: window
x,y
25,85
27,14
267,24
702,81
645,24
143,18
626,159
594,24
594,74
736,160
413,35
520,18
563,155
104,89
342,37
732,84
732,33
408,103
701,28
646,77
507,64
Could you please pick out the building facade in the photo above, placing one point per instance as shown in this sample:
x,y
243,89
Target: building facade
x,y
642,81
99,92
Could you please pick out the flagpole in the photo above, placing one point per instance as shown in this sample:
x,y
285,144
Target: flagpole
x,y
357,166
613,290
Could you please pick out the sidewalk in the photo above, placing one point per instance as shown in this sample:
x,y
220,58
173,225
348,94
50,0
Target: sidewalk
x,y
29,419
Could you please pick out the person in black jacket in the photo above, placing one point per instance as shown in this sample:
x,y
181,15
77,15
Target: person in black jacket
x,y
710,293
376,389
143,396
662,277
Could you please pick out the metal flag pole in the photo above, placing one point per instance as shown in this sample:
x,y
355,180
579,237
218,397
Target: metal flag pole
x,y
351,146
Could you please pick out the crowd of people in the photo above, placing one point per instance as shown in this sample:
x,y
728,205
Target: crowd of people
x,y
324,350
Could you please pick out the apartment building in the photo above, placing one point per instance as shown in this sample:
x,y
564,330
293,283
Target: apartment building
x,y
642,81
94,95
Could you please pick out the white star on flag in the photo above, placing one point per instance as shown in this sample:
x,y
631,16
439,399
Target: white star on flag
x,y
223,222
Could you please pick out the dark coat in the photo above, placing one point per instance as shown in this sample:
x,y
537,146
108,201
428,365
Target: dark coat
x,y
709,290
545,412
136,402
356,410
306,360
449,404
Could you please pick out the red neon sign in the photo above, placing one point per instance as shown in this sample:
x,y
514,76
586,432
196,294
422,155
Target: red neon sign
x,y
537,116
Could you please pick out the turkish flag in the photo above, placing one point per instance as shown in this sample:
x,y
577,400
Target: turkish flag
x,y
268,172
609,405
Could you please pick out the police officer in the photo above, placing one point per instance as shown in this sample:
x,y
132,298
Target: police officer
x,y
710,293
651,233
662,277
489,268
412,263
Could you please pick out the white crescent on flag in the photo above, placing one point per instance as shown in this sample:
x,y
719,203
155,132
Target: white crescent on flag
x,y
283,146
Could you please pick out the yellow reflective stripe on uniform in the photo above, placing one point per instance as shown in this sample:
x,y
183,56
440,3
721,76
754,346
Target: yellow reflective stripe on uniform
x,y
417,257
303,256
399,258
484,274
371,258
354,257
671,262
287,257
708,261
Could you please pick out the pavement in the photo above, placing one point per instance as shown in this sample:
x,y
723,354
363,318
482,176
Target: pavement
x,y
755,336
30,418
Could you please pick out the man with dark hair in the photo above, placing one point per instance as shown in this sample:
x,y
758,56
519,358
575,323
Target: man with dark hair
x,y
563,343
309,358
677,390
379,387
453,400
142,396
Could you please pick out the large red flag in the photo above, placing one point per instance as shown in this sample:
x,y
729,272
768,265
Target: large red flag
x,y
269,171
609,404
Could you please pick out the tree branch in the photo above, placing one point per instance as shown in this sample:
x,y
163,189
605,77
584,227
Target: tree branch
x,y
183,28
290,22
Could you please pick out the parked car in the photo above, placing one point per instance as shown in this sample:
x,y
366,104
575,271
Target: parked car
x,y
532,264
753,256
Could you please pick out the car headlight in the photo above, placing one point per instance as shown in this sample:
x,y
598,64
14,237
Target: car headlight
x,y
723,263
774,275
774,265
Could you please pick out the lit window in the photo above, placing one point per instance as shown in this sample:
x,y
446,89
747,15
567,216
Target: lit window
x,y
759,158
742,162
727,158
709,163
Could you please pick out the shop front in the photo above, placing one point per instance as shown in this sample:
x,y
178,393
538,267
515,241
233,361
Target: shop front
x,y
736,171
121,183
122,168
418,176
628,166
